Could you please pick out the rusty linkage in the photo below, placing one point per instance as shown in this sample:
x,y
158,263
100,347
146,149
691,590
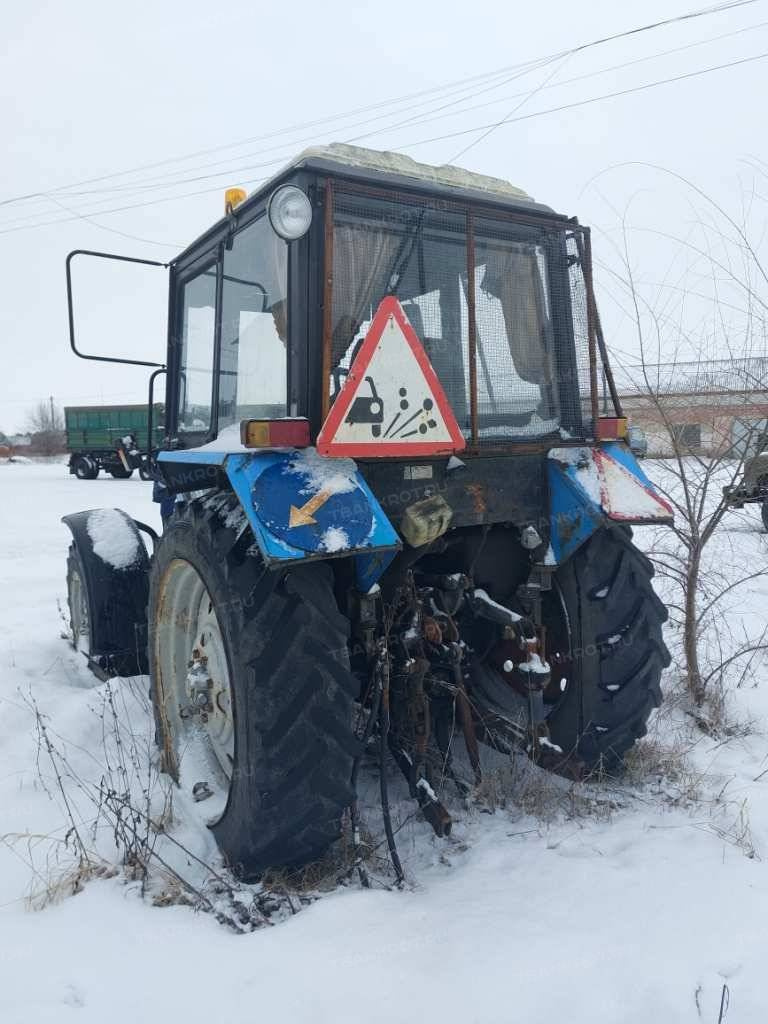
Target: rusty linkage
x,y
423,665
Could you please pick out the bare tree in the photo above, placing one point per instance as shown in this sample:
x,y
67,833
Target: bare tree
x,y
703,362
697,478
46,425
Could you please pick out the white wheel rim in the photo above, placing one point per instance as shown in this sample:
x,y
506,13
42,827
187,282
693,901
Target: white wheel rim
x,y
79,619
191,665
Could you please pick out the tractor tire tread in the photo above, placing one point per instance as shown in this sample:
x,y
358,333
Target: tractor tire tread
x,y
616,623
287,644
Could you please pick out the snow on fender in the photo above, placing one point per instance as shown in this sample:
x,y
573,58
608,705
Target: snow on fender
x,y
111,563
588,485
115,540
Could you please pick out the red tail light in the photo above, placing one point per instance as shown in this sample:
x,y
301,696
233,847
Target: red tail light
x,y
285,433
610,428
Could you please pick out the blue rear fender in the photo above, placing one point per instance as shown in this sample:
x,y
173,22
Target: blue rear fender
x,y
588,486
302,506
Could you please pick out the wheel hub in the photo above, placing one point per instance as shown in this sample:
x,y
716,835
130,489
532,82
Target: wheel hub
x,y
194,685
78,613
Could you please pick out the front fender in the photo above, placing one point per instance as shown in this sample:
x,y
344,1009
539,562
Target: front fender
x,y
115,568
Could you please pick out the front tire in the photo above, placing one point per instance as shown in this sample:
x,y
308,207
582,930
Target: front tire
x,y
283,645
604,643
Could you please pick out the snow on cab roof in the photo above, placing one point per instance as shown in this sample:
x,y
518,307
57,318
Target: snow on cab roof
x,y
339,157
406,167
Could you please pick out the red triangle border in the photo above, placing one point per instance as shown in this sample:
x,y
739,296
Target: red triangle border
x,y
388,307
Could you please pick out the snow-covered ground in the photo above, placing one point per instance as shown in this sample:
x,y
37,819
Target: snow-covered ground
x,y
635,906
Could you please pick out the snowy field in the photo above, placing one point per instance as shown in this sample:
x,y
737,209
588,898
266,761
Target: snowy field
x,y
620,903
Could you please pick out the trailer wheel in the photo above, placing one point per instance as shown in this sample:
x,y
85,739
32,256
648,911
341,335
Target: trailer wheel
x,y
119,472
85,468
605,646
252,689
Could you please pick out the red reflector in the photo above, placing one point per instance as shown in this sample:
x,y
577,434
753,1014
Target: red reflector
x,y
609,428
285,433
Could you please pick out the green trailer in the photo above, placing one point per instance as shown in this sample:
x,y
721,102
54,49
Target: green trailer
x,y
114,438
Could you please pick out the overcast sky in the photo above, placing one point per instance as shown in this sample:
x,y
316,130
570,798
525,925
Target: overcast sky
x,y
92,89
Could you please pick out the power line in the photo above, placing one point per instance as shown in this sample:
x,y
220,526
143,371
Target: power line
x,y
122,209
456,85
595,99
700,13
597,42
540,113
114,231
437,138
152,183
137,188
417,120
27,219
149,182
527,67
528,96
450,135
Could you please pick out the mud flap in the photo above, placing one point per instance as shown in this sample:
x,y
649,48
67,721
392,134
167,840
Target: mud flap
x,y
116,595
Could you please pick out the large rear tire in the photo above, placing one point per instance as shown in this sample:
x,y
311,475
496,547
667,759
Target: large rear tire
x,y
604,642
119,472
281,765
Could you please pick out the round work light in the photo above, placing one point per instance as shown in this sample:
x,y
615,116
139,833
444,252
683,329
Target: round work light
x,y
290,212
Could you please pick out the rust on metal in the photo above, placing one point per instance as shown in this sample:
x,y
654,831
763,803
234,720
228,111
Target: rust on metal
x,y
468,727
433,634
418,710
491,209
477,493
327,299
584,244
586,268
438,818
472,325
607,370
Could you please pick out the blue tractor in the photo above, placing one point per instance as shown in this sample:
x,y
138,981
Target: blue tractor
x,y
396,500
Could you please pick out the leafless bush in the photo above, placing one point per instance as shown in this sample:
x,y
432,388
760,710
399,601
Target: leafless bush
x,y
122,821
701,336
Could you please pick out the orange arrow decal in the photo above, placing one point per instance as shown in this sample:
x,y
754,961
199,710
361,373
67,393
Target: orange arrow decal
x,y
304,516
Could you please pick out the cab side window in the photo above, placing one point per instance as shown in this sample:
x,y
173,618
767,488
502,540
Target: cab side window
x,y
254,327
198,328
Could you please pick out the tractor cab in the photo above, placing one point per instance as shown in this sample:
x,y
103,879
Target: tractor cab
x,y
271,305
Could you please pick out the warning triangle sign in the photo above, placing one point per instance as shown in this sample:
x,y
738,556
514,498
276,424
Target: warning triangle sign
x,y
392,402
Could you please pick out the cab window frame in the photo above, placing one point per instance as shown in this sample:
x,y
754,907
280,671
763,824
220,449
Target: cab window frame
x,y
258,213
297,314
210,258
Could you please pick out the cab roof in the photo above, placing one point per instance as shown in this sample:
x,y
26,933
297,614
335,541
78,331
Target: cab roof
x,y
343,157
382,168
